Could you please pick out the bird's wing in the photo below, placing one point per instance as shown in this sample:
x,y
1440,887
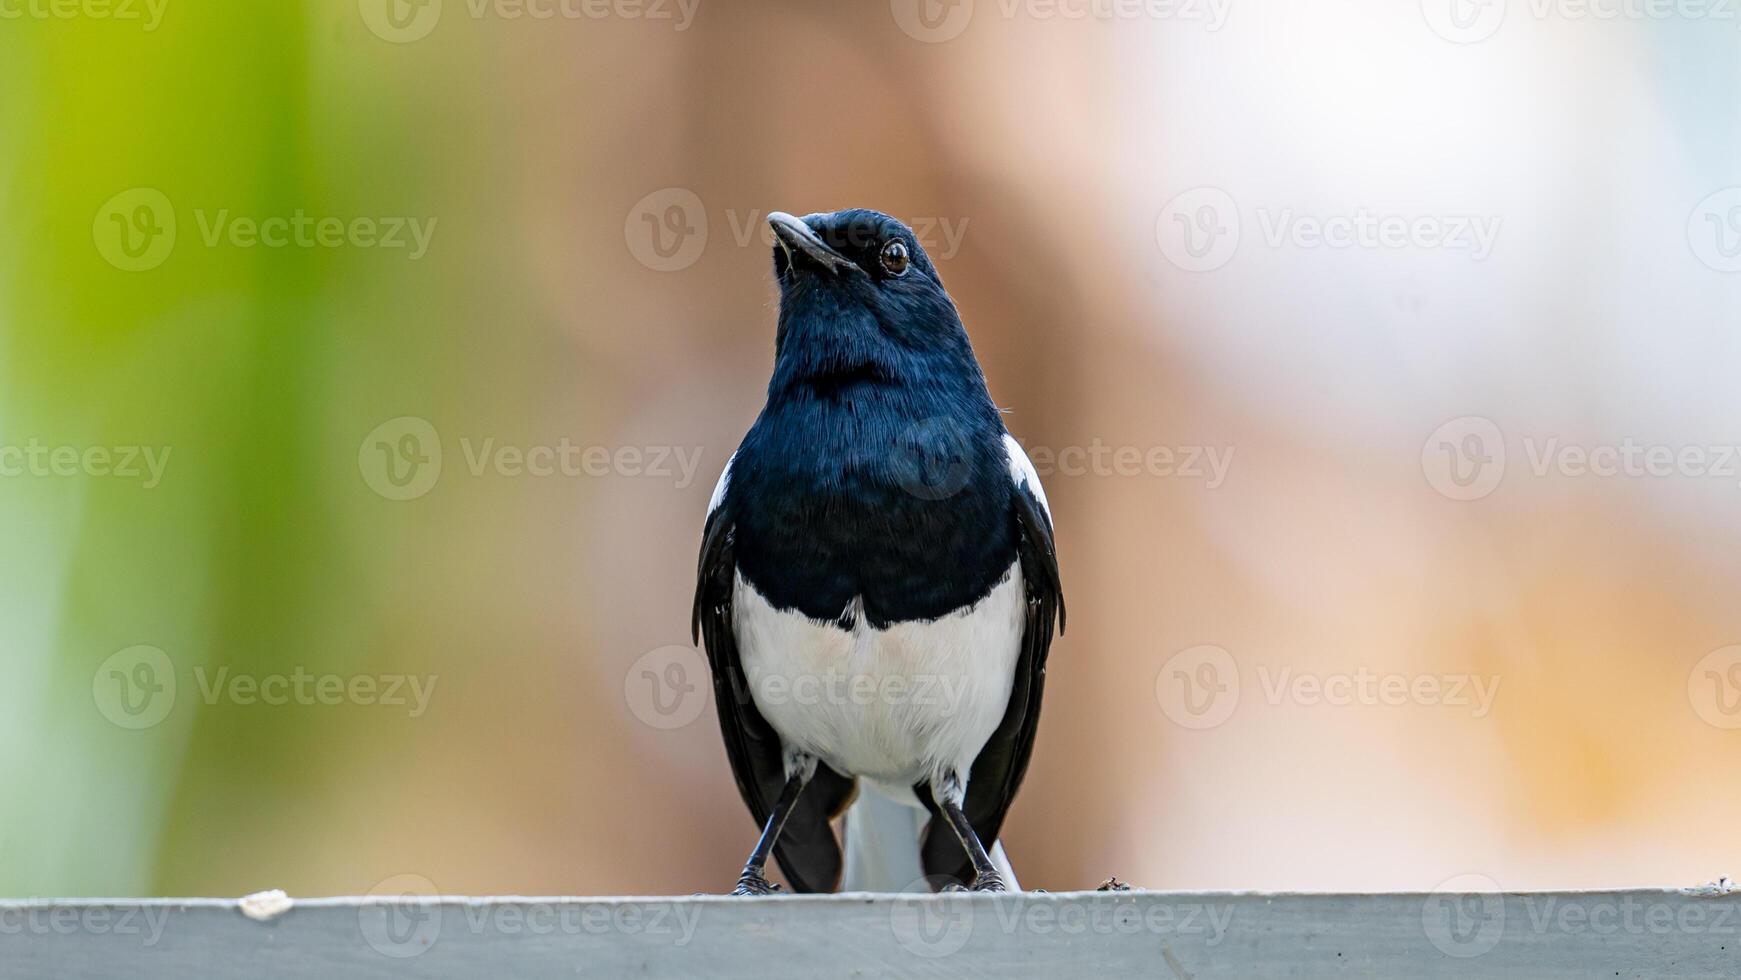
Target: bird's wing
x,y
807,850
998,771
750,744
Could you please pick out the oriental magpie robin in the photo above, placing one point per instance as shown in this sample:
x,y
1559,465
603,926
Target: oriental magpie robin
x,y
877,585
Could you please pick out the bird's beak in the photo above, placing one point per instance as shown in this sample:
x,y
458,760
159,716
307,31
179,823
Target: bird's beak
x,y
797,240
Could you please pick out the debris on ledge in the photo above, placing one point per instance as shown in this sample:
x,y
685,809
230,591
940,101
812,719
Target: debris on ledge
x,y
267,905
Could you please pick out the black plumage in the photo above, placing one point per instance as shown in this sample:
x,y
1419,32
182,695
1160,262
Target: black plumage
x,y
875,483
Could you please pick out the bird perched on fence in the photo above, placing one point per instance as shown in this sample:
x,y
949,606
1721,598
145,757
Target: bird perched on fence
x,y
878,584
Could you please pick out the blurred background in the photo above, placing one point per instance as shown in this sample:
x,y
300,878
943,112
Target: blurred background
x,y
365,368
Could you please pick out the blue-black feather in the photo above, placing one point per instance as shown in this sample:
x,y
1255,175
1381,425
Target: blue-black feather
x,y
877,469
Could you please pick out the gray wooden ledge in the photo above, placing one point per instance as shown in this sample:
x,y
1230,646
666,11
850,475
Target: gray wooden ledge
x,y
1667,933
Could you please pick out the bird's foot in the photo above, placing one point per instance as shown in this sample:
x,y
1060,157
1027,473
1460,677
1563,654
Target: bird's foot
x,y
990,881
751,883
1113,885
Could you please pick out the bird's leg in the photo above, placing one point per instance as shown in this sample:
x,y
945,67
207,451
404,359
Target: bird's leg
x,y
799,769
949,795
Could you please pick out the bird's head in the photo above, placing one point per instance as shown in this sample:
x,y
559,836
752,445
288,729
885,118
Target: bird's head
x,y
859,298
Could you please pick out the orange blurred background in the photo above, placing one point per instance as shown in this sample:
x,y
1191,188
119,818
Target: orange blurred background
x,y
1350,253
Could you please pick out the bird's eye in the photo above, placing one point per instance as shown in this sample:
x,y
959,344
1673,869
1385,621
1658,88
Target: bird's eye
x,y
895,258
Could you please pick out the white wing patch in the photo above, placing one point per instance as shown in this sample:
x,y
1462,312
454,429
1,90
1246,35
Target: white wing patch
x,y
725,478
1021,471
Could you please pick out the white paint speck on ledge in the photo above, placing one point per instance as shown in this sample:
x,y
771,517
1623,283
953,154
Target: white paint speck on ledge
x,y
267,905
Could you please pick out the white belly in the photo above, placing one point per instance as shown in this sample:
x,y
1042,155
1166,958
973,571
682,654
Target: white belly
x,y
898,706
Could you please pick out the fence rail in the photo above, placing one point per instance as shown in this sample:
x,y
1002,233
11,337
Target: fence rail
x,y
1642,933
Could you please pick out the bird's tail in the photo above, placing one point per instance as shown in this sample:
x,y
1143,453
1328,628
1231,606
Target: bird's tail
x,y
882,844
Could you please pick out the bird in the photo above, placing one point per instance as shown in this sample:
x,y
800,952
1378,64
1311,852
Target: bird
x,y
878,582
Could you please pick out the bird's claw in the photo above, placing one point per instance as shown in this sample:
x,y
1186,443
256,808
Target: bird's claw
x,y
991,881
754,884
1113,885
